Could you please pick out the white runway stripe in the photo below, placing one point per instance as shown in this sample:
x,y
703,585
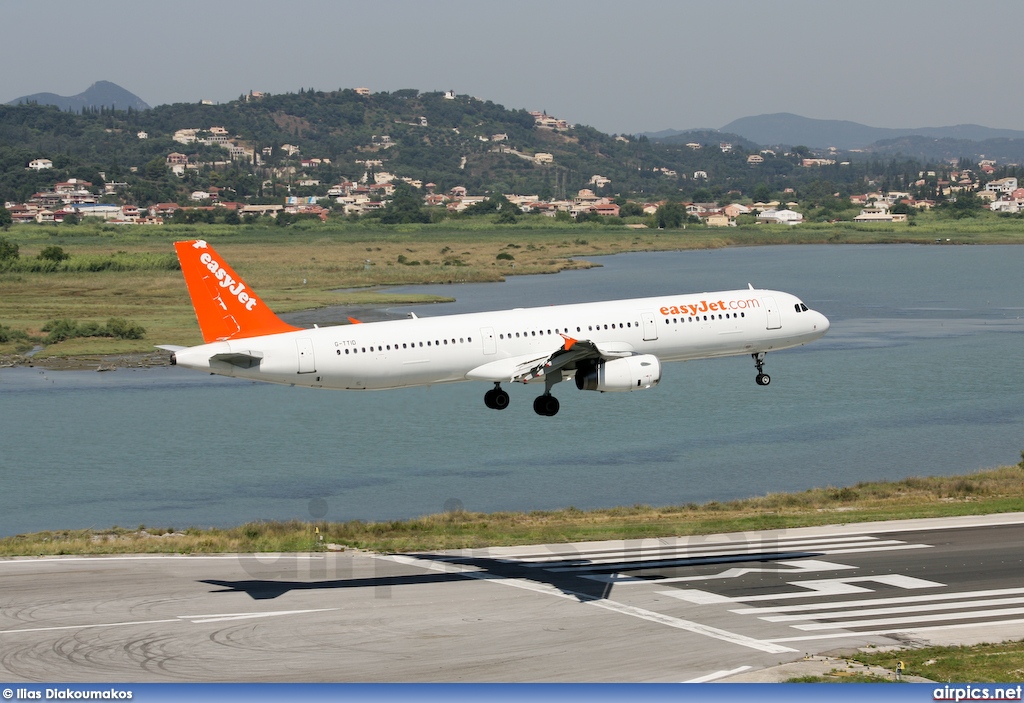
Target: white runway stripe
x,y
929,608
875,601
751,547
913,619
662,560
718,675
891,630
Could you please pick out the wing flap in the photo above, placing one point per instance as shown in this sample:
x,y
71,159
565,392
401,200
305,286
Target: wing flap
x,y
506,369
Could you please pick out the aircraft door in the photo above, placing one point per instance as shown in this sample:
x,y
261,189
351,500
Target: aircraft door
x,y
772,311
307,364
487,335
650,327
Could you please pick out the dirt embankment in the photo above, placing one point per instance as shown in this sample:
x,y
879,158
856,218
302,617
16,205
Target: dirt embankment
x,y
99,362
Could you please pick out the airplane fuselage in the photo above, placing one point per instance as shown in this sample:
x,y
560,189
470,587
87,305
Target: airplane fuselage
x,y
489,346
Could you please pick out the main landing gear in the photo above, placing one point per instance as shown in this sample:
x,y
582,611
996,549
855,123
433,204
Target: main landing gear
x,y
496,398
762,378
546,405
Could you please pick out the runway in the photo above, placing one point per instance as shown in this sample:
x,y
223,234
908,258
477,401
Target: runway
x,y
709,608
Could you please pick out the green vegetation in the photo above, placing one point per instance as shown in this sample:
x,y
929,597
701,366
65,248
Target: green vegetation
x,y
993,491
62,330
1002,662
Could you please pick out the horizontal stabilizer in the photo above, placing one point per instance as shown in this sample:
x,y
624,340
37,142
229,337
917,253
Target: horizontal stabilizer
x,y
170,347
243,360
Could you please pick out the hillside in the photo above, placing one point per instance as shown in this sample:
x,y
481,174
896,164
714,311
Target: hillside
x,y
99,94
786,128
261,148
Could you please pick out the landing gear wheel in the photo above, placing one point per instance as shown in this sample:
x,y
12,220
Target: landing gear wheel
x,y
546,405
496,399
762,378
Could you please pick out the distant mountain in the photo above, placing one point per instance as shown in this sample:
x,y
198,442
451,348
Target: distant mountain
x,y
786,128
928,149
99,94
668,133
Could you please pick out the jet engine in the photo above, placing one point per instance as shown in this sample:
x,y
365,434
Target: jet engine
x,y
630,373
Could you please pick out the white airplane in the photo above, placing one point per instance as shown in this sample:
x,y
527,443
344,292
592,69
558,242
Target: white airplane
x,y
616,345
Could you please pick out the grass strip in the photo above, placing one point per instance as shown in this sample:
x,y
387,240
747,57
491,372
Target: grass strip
x,y
985,492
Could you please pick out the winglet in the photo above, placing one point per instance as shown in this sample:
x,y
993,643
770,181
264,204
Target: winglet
x,y
569,341
354,321
225,306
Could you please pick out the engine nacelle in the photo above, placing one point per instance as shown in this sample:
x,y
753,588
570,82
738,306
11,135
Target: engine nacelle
x,y
631,373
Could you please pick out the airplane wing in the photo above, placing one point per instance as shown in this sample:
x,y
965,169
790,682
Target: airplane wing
x,y
523,369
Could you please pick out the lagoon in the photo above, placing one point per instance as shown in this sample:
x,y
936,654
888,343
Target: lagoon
x,y
918,375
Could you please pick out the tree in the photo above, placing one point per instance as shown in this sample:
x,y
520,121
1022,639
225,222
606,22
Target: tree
x,y
54,253
670,216
156,168
406,206
967,204
762,193
8,249
630,209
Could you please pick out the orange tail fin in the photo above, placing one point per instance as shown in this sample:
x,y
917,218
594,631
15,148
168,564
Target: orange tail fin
x,y
224,304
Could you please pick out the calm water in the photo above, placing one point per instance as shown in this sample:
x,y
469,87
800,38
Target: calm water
x,y
920,374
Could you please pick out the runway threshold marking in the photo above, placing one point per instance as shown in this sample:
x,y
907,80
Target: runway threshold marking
x,y
906,630
194,619
621,608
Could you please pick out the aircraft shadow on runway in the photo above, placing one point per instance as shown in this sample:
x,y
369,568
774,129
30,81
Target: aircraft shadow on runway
x,y
577,583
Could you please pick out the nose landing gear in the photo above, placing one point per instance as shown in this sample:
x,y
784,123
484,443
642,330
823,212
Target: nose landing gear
x,y
762,378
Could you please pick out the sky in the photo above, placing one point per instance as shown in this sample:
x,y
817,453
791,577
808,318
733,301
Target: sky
x,y
620,67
